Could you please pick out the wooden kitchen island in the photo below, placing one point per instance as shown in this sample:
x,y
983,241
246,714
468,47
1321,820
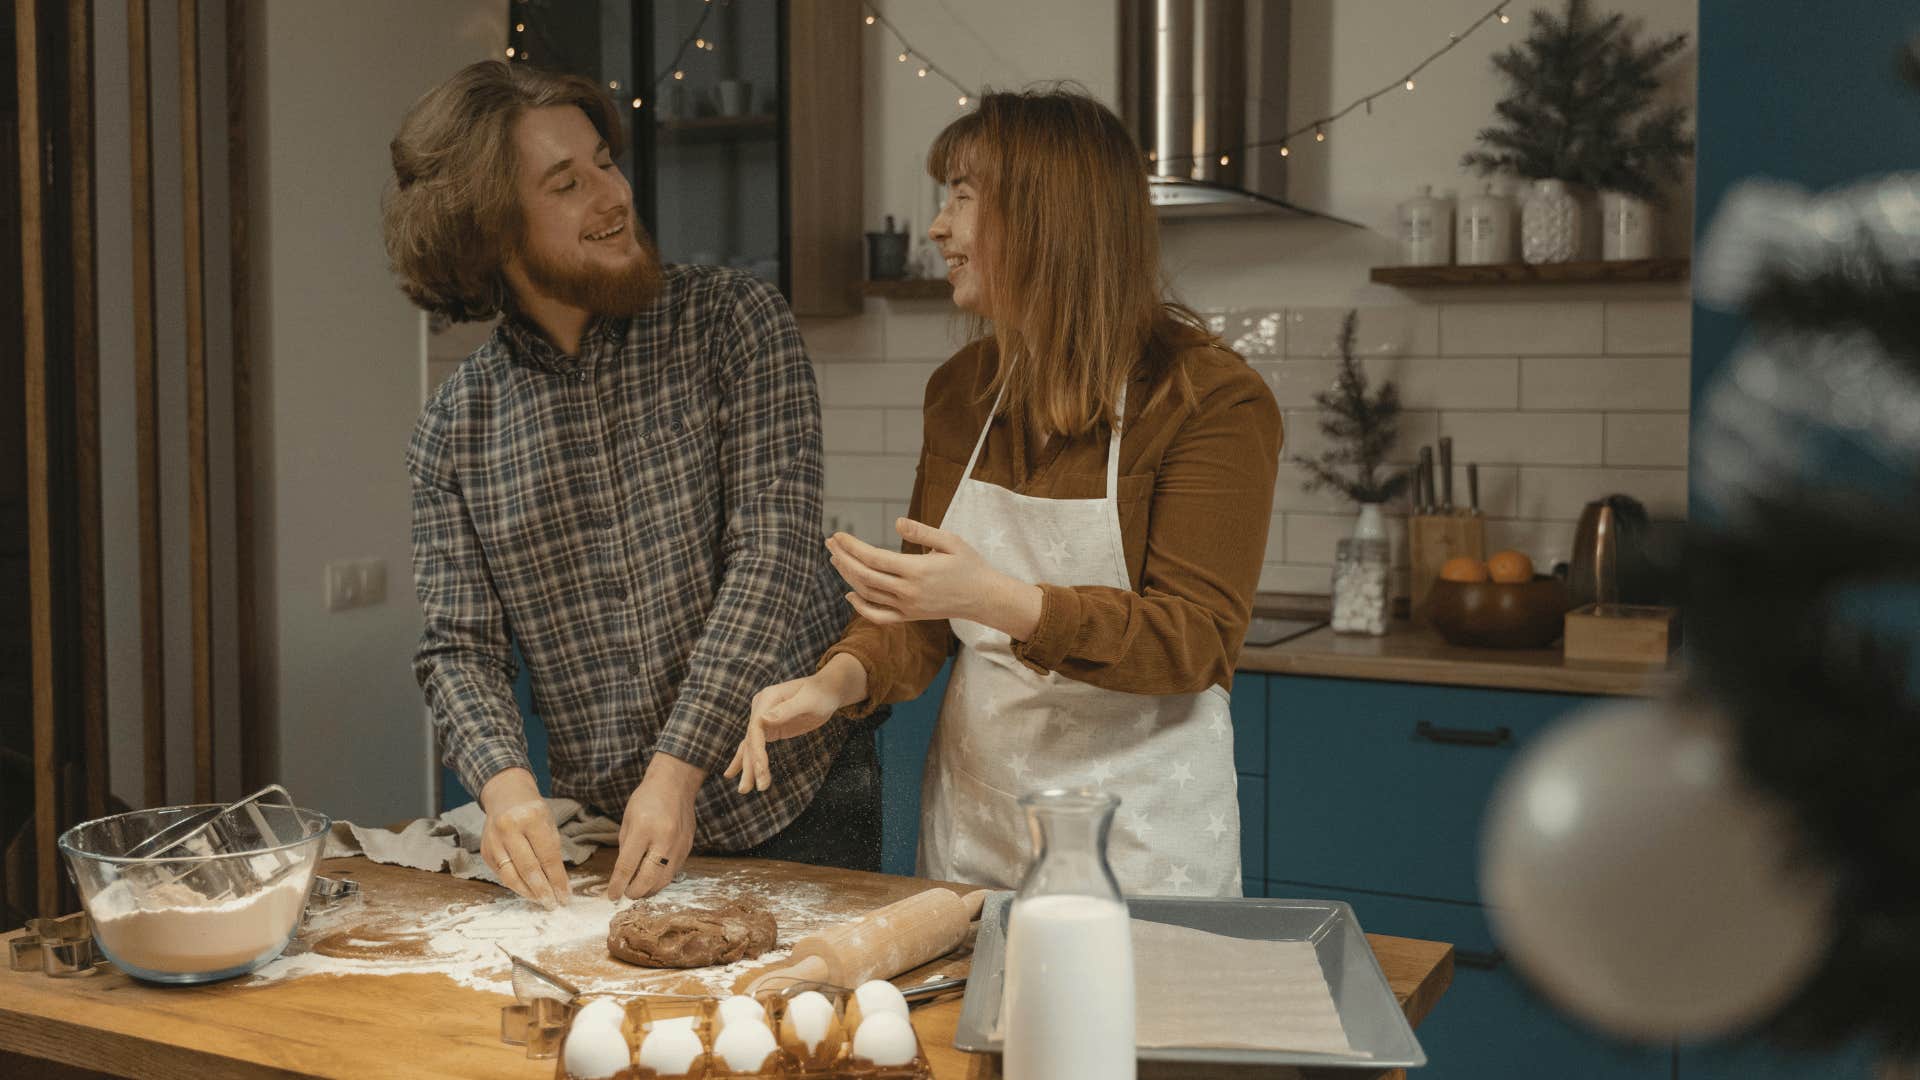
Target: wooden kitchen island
x,y
372,1027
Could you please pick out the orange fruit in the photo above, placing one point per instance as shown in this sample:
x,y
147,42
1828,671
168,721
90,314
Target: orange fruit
x,y
1463,568
1510,567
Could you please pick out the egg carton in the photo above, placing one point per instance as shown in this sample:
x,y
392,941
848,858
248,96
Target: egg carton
x,y
833,1058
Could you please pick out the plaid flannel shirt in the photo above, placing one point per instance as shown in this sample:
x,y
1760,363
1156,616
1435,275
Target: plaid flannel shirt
x,y
643,522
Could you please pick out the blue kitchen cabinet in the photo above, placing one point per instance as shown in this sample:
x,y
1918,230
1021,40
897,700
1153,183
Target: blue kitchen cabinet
x,y
1752,1061
1489,1023
1382,786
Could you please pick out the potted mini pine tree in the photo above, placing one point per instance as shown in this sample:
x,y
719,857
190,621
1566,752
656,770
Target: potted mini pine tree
x,y
1362,424
1581,115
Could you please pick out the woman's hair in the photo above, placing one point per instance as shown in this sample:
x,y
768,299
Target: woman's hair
x,y
452,215
1071,248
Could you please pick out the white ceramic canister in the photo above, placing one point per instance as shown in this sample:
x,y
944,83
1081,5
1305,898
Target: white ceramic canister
x,y
1425,236
1550,223
1483,233
1626,226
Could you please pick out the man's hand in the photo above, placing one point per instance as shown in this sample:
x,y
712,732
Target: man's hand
x,y
520,842
794,708
656,833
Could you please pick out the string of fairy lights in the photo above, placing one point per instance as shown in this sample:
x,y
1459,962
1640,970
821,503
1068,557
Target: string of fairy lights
x,y
925,67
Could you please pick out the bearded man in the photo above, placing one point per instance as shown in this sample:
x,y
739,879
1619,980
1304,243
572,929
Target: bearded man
x,y
623,484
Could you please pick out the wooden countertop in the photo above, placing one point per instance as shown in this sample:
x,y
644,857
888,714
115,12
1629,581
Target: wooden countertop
x,y
355,1027
1416,654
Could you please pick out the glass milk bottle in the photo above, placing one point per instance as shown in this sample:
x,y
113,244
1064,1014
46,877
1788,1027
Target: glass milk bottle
x,y
1069,996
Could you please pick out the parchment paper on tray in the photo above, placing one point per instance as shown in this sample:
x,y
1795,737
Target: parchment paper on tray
x,y
1195,989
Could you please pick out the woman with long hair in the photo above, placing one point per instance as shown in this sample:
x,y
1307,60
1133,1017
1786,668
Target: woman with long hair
x,y
1101,469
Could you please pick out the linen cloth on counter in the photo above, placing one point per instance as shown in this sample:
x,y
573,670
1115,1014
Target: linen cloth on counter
x,y
451,842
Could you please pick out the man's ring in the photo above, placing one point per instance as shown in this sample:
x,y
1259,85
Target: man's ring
x,y
506,860
663,860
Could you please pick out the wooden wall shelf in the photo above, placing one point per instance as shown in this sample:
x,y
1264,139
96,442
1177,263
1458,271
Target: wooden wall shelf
x,y
1568,273
914,289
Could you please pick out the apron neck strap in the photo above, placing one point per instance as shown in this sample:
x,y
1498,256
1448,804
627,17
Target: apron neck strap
x,y
1113,441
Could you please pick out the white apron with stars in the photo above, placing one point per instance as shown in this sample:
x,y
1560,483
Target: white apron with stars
x,y
1006,730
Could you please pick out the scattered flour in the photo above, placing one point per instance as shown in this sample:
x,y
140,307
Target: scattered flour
x,y
464,940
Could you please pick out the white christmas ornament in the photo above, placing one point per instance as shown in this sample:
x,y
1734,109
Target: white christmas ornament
x,y
1644,887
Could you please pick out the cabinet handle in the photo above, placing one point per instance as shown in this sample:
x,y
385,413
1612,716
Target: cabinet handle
x,y
1499,736
1480,961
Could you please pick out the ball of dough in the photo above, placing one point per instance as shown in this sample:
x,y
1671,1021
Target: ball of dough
x,y
885,1039
690,937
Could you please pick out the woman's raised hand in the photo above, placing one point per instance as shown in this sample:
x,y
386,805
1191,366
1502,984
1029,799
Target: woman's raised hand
x,y
794,708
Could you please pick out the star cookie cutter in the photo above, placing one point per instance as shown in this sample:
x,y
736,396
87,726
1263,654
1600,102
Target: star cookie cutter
x,y
61,948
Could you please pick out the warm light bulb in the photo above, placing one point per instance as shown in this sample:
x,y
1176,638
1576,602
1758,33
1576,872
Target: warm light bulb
x,y
903,58
1153,155
1223,159
1285,152
680,75
963,101
519,28
869,20
613,84
636,103
699,43
1503,19
509,52
1319,135
922,73
1409,84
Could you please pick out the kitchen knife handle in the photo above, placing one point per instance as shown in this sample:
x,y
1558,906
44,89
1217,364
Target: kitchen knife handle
x,y
1446,474
1499,736
1473,486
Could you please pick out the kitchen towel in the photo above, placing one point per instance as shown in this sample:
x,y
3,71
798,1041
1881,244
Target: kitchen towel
x,y
451,842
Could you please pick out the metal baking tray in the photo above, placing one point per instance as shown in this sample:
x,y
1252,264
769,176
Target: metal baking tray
x,y
1374,1022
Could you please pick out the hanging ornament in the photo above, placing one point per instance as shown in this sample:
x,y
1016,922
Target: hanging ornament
x,y
1636,879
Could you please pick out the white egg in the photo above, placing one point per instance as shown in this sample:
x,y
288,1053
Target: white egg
x,y
744,1045
595,1051
880,996
741,1007
811,1014
601,1011
670,1048
885,1038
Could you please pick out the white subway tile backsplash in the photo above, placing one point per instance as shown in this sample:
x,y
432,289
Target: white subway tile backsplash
x,y
1294,382
1545,542
1287,578
869,476
1276,539
1450,382
1560,494
459,340
1657,439
924,334
1252,332
904,430
1289,493
1305,439
1406,330
901,386
1610,382
1504,438
863,518
1311,537
855,337
851,431
1649,327
1545,328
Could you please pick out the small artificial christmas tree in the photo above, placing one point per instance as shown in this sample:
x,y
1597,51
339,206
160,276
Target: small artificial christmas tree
x,y
1582,107
1362,426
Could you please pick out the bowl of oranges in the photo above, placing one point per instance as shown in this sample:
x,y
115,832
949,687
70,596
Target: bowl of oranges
x,y
1497,603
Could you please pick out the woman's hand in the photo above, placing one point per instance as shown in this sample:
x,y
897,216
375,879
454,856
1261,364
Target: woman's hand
x,y
949,581
794,708
520,842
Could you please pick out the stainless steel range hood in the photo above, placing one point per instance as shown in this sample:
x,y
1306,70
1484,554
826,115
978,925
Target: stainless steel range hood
x,y
1201,80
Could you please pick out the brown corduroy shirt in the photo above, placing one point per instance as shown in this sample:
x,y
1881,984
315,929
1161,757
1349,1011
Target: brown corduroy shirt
x,y
1196,497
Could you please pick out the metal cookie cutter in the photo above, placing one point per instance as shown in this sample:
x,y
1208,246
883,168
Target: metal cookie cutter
x,y
538,1019
62,948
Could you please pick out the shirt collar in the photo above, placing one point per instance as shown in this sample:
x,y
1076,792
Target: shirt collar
x,y
529,346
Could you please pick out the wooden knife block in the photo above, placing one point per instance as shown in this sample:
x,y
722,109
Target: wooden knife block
x,y
1432,539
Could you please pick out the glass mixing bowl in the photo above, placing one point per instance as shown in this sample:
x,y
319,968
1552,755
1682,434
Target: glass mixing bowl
x,y
226,908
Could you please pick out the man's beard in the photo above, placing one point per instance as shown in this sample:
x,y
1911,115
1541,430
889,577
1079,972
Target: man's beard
x,y
628,290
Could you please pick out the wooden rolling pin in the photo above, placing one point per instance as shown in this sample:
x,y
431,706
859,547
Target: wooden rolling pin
x,y
878,945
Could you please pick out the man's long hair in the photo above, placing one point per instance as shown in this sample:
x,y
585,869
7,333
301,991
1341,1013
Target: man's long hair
x,y
451,215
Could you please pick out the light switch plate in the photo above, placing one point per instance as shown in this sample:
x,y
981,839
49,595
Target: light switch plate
x,y
355,583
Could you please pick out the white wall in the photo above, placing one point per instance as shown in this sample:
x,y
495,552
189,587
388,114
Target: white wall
x,y
342,354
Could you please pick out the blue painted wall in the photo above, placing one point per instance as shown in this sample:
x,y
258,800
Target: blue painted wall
x,y
1797,90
